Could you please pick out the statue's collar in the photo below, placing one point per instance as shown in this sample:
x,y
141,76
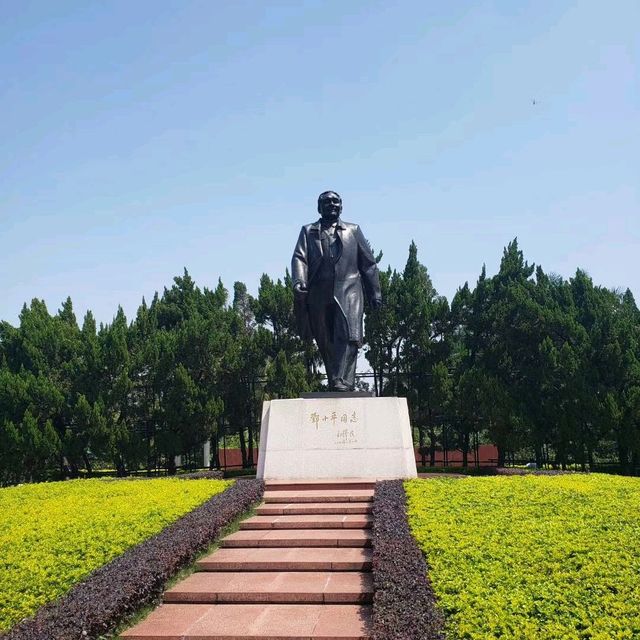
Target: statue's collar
x,y
339,225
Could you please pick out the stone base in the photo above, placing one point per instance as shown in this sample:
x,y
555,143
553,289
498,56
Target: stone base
x,y
337,394
336,437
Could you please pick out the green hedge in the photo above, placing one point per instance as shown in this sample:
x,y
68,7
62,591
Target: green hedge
x,y
532,557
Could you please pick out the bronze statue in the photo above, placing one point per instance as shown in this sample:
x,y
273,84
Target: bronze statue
x,y
331,265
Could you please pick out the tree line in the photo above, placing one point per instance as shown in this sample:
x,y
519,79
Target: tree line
x,y
543,367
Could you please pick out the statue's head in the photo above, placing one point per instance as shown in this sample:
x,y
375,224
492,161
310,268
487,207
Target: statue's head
x,y
329,205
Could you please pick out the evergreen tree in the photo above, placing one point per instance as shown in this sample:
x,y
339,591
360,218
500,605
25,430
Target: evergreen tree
x,y
533,363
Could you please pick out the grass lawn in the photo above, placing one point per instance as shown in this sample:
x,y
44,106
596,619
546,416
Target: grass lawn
x,y
535,557
53,535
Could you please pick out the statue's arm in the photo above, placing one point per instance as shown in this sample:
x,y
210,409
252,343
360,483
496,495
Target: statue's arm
x,y
299,262
368,270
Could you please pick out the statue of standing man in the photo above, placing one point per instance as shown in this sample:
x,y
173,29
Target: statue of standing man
x,y
333,268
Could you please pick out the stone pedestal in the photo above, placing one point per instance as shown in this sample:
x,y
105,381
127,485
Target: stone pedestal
x,y
336,437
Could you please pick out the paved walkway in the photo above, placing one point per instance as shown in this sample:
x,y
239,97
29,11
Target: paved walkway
x,y
299,569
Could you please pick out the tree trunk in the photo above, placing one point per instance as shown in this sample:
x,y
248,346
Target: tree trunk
x,y
64,470
74,471
560,458
375,381
473,446
635,463
465,450
121,470
87,464
581,449
215,460
501,456
250,423
432,446
539,456
252,445
389,361
623,457
149,441
397,376
445,448
547,456
243,447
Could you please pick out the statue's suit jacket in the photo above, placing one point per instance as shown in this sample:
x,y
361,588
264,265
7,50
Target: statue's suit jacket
x,y
355,269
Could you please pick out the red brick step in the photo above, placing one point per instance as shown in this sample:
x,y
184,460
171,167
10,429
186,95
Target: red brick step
x,y
287,559
274,587
328,495
255,622
299,538
349,484
299,569
320,521
306,508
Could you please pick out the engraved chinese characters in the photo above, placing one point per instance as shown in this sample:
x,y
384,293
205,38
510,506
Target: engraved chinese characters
x,y
316,418
346,431
342,425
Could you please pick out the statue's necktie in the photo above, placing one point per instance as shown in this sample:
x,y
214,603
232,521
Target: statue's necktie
x,y
328,240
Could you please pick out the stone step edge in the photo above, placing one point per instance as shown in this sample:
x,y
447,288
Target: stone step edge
x,y
284,565
293,587
346,485
274,523
269,597
273,598
285,526
258,622
314,508
306,538
274,498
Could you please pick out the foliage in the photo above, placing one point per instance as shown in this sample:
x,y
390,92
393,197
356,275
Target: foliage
x,y
52,535
137,578
403,602
200,475
468,471
532,557
555,365
136,395
545,368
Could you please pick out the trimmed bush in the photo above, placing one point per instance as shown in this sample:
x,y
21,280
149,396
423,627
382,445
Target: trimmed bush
x,y
404,605
209,474
137,578
464,471
53,535
519,471
532,557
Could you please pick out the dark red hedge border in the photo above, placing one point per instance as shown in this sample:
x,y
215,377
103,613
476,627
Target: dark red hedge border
x,y
202,475
114,592
404,605
512,471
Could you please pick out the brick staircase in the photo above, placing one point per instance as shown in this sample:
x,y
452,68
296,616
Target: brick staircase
x,y
300,568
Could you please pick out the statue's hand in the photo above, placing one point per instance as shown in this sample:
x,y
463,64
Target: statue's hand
x,y
376,303
299,289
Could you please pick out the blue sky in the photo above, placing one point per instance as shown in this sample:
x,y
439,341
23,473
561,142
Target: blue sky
x,y
138,138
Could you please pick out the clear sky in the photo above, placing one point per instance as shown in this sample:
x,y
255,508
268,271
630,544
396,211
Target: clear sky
x,y
138,138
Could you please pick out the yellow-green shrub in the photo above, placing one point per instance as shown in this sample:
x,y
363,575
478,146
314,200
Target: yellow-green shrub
x,y
544,558
53,535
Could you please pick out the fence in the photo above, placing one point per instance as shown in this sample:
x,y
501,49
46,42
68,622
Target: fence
x,y
487,457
